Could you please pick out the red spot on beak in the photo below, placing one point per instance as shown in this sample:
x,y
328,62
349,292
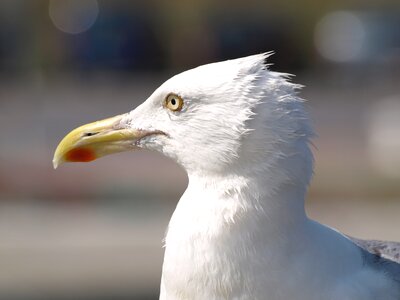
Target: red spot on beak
x,y
80,155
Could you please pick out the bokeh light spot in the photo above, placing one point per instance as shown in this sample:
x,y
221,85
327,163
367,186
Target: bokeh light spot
x,y
73,16
340,37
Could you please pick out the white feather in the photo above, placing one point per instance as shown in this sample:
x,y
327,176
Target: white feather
x,y
240,230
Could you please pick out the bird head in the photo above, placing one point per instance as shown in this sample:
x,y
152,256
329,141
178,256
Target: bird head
x,y
208,119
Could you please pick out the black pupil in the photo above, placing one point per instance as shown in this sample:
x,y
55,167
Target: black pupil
x,y
173,101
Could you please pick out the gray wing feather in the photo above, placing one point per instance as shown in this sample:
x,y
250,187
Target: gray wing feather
x,y
388,250
381,255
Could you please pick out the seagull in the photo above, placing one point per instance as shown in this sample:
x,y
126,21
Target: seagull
x,y
240,230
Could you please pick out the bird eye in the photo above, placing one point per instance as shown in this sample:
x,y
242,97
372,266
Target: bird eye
x,y
174,102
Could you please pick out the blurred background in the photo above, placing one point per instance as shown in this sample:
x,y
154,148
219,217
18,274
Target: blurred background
x,y
94,231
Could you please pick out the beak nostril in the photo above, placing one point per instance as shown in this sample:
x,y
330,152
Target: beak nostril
x,y
89,133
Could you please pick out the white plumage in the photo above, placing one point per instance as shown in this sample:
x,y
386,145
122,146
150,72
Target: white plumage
x,y
240,230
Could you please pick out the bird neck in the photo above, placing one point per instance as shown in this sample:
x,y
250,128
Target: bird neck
x,y
230,224
255,203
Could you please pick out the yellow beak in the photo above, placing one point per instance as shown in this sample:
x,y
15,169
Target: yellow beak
x,y
94,140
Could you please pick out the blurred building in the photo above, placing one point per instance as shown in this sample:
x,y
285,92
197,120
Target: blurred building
x,y
152,36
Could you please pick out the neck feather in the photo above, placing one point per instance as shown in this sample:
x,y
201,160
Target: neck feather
x,y
253,204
